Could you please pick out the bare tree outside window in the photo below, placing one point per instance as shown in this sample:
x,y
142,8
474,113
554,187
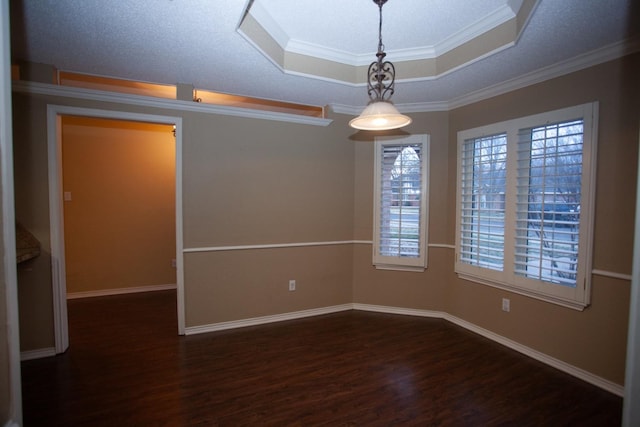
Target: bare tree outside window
x,y
548,222
400,213
484,180
401,196
524,214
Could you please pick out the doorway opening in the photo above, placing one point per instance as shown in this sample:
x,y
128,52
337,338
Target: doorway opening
x,y
80,120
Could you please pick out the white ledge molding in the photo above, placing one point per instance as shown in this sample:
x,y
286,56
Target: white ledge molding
x,y
595,272
273,246
121,291
611,274
34,88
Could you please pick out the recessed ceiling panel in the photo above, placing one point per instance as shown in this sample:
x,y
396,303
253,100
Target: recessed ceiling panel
x,y
317,39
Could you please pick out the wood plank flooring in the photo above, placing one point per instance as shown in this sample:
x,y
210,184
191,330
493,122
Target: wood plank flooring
x,y
127,367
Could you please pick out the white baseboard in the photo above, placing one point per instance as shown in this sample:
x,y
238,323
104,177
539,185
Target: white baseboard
x,y
37,354
605,384
399,310
266,319
120,291
579,373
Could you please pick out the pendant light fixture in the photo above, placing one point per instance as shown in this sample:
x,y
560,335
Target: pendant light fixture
x,y
380,113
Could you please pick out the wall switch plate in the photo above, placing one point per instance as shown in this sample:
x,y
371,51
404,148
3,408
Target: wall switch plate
x,y
292,285
506,304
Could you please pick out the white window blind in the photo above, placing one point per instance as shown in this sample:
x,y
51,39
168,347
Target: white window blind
x,y
483,174
401,200
524,217
548,207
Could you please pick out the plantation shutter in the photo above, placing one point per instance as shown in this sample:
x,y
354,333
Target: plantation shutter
x,y
482,203
401,192
548,202
401,197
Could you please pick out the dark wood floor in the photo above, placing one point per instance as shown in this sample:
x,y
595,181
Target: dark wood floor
x,y
127,367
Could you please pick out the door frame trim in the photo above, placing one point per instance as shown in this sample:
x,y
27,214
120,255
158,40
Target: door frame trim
x,y
56,209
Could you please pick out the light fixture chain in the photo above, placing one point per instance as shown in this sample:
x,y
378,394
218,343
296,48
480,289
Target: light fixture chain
x,y
381,73
380,45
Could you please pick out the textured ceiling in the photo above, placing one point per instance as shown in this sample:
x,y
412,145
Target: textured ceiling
x,y
197,41
333,23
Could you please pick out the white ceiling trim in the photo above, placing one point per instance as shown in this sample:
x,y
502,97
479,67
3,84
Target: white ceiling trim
x,y
421,107
493,33
303,47
590,59
580,62
352,59
482,26
397,64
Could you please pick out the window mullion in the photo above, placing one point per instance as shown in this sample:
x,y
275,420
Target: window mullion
x,y
511,199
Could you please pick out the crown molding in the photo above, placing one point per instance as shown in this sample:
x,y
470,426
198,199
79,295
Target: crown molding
x,y
577,63
580,62
419,107
478,28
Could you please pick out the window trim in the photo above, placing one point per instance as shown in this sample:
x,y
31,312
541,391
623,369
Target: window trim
x,y
577,297
382,262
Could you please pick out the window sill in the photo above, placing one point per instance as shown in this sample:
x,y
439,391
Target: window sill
x,y
542,297
400,268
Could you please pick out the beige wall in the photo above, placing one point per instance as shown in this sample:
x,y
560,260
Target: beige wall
x,y
252,182
119,226
595,339
425,290
32,210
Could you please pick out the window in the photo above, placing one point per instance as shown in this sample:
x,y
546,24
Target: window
x,y
400,210
525,204
482,210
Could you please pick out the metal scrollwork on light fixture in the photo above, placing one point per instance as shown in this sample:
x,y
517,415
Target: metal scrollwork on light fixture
x,y
380,113
380,70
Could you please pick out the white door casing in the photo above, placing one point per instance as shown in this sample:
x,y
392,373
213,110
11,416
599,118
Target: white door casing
x,y
56,212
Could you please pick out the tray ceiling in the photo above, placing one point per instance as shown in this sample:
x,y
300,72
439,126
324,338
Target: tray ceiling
x,y
421,48
444,50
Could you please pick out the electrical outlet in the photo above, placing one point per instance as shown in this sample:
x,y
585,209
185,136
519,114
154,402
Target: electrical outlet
x,y
292,285
173,263
506,304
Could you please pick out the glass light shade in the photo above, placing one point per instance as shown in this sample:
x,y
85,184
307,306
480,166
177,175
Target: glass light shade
x,y
380,115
